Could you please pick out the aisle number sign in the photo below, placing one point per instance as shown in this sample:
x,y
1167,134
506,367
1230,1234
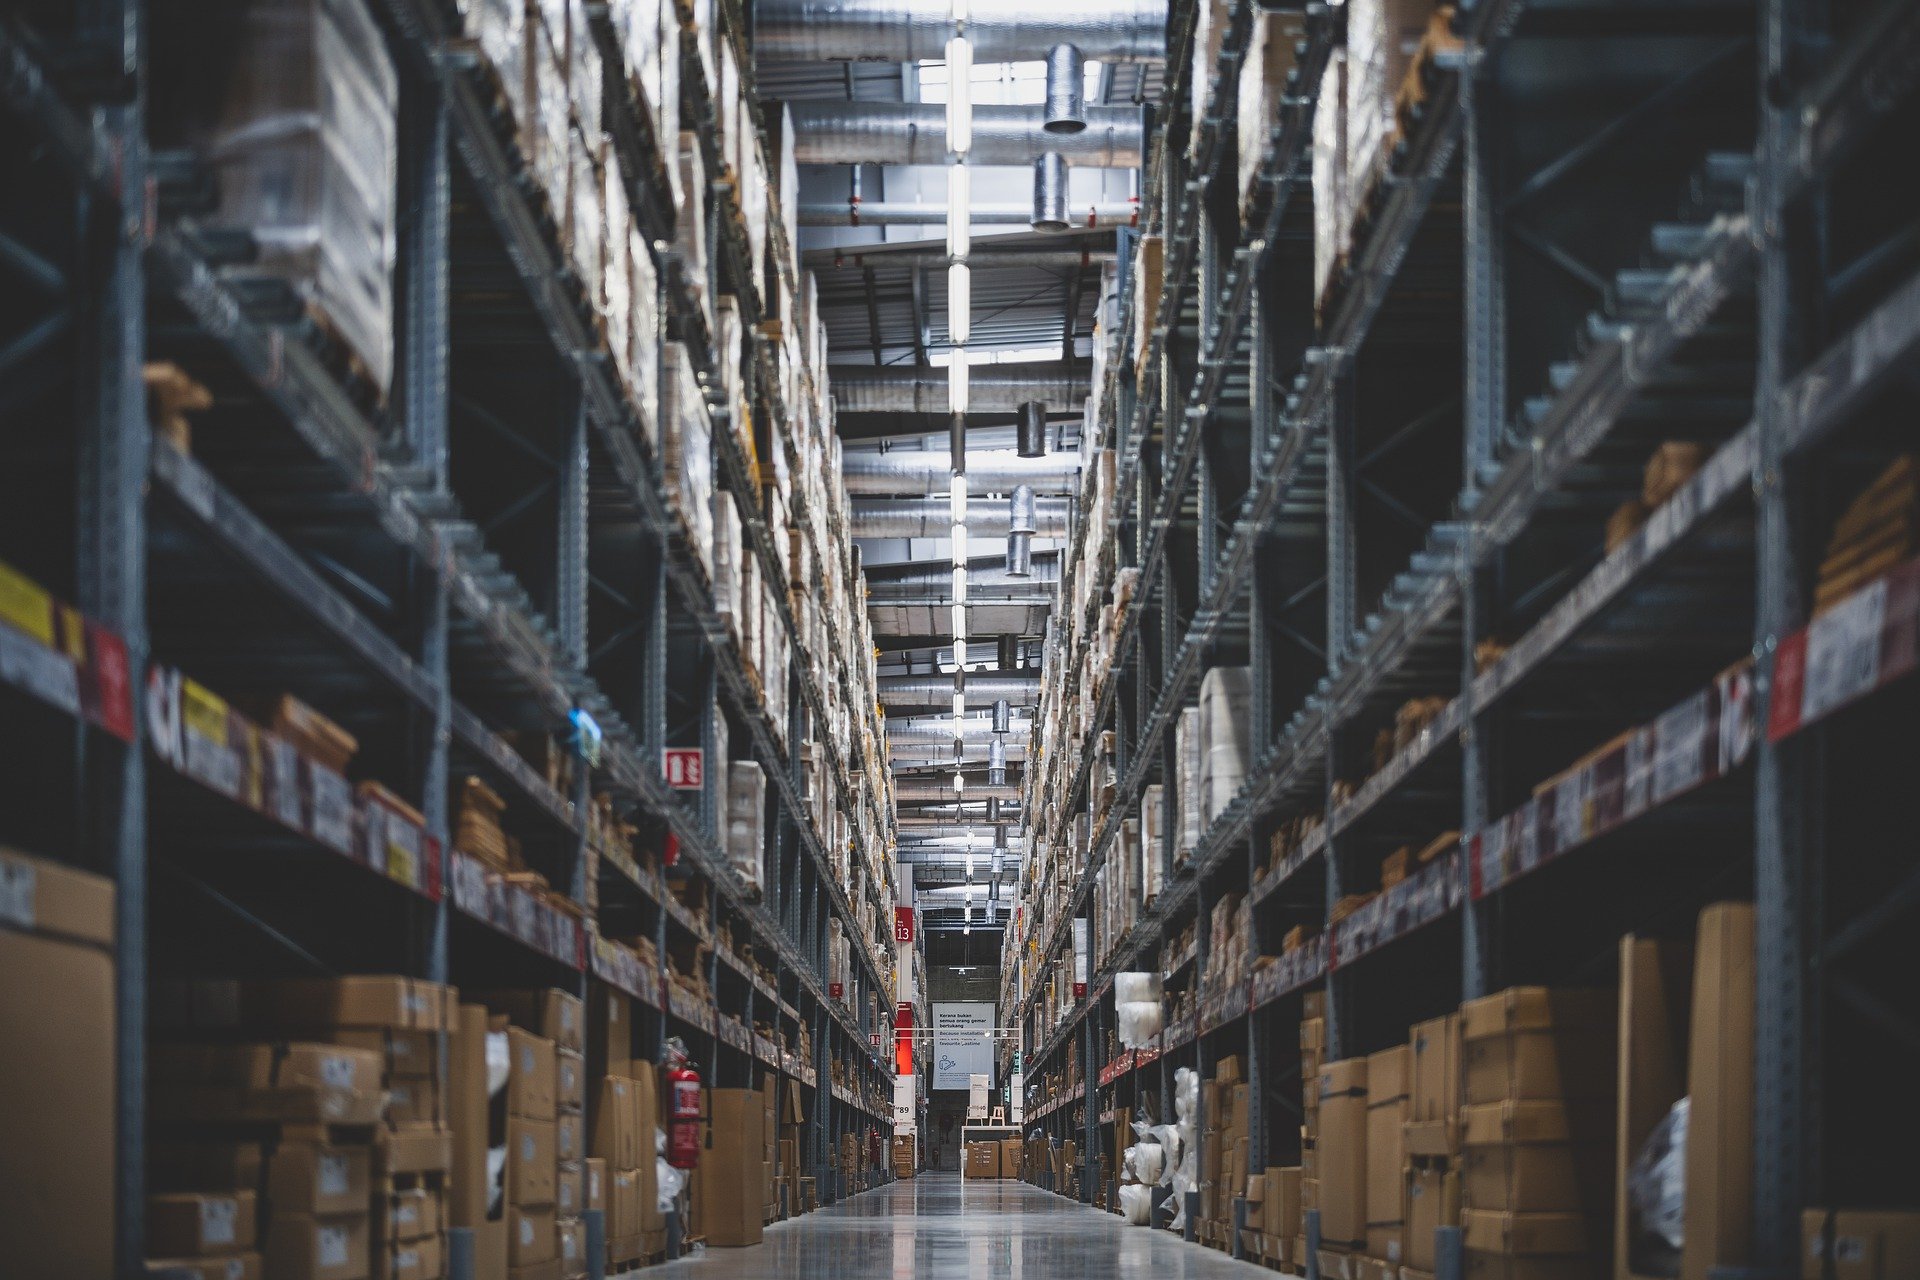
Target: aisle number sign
x,y
903,924
685,767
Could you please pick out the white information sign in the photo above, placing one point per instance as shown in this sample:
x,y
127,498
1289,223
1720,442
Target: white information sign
x,y
962,1043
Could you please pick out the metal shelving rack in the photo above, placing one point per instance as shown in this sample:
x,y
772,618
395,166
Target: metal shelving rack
x,y
1754,292
365,556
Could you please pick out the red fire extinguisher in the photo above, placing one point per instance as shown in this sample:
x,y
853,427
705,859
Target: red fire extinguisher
x,y
683,1108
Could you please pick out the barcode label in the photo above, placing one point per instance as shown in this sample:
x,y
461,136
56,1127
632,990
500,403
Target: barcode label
x,y
1843,652
333,1175
18,884
219,1219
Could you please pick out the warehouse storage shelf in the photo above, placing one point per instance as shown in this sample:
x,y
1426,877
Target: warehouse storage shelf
x,y
1390,234
54,654
1861,84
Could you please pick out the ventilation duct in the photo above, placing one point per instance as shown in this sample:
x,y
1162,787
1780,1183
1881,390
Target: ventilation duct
x,y
1033,430
991,388
1104,213
933,518
1066,105
935,690
1050,192
942,792
922,472
977,258
933,835
857,133
916,581
1020,533
918,30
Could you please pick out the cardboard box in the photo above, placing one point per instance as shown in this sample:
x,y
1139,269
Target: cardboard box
x,y
1010,1152
360,1000
303,1247
422,1259
1550,1266
407,1054
573,1247
318,1179
414,1102
1281,1214
468,1184
733,1169
532,1236
1539,1157
551,1014
1489,1231
1534,1043
1388,1102
569,1142
616,1124
235,1266
982,1160
623,1204
205,1166
570,1081
1860,1244
1656,979
611,1013
302,1082
646,1109
1434,1070
409,1213
1433,1201
570,1190
196,1224
1719,1213
531,1083
1342,1154
532,1168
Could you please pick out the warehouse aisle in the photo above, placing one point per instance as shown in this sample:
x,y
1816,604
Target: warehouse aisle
x,y
938,1227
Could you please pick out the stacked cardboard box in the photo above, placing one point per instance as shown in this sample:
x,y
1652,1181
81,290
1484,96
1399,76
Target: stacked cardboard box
x,y
729,1184
1273,1215
1431,1180
1389,1105
1878,530
57,1004
546,1034
1537,1077
1859,1244
1340,1150
1224,1149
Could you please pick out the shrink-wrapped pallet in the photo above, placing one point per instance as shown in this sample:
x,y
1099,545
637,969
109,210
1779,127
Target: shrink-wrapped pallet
x,y
303,152
1382,37
1332,212
1226,694
746,821
1188,742
1153,826
687,446
644,336
1263,81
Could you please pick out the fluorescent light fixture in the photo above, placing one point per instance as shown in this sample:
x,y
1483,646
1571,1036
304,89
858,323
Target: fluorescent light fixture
x,y
960,584
959,706
959,11
959,654
957,381
969,866
959,95
957,498
959,622
959,206
959,302
959,784
959,537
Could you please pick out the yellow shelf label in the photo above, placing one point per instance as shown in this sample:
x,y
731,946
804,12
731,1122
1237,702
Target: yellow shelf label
x,y
25,605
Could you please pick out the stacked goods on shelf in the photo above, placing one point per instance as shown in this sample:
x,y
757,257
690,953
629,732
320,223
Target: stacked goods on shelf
x,y
1273,1215
1332,204
1877,531
1189,751
746,821
1288,839
1340,1158
1431,1178
1230,950
729,1185
1382,38
1153,836
1537,1079
1149,279
546,1040
1670,465
1224,1149
1264,74
1859,1244
1226,694
1389,1106
476,827
57,1002
302,144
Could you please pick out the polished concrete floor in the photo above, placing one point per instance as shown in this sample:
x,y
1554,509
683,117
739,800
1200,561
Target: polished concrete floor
x,y
937,1227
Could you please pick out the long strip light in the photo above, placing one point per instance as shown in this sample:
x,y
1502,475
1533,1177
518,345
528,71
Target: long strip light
x,y
959,329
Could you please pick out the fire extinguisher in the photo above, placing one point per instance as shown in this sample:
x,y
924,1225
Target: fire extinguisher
x,y
683,1108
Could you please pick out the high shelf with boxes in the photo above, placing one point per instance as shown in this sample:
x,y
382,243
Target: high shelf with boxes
x,y
1478,604
397,644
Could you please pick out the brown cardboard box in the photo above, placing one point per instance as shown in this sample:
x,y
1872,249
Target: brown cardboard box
x,y
1282,1214
1434,1121
616,1124
1656,979
1549,1266
422,1259
570,1081
531,1166
1489,1231
569,1142
318,1179
235,1266
1388,1101
1342,1154
733,1169
551,1014
570,1190
294,1083
1719,1214
468,1184
1010,1153
1539,1157
612,1017
408,1213
204,1166
408,1054
548,1270
531,1073
531,1236
1433,1201
1860,1244
414,1102
573,1247
646,1111
983,1160
1533,1042
194,1224
362,1000
302,1247
623,1204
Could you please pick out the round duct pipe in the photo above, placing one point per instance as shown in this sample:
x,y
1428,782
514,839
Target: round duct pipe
x,y
1050,192
856,133
928,473
933,518
1020,533
1066,105
1104,213
917,30
1033,430
984,688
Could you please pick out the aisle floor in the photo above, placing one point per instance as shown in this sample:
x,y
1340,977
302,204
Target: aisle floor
x,y
939,1227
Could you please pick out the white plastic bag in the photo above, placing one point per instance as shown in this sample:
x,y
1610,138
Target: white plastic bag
x,y
670,1180
1657,1188
1136,1204
1139,1021
1136,988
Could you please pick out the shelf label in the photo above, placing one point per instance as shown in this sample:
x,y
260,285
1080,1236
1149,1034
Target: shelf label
x,y
685,768
331,805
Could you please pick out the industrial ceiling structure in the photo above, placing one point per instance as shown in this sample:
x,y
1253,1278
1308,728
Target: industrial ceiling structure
x,y
963,164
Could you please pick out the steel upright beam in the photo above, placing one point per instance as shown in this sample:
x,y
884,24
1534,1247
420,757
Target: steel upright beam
x,y
1342,572
570,578
1786,809
1485,399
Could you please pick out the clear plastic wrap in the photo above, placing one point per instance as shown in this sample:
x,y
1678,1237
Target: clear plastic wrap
x,y
1136,1204
1657,1195
304,156
1129,988
1332,212
746,821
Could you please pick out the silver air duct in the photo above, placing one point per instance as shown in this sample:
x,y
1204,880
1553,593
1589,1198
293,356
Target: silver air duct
x,y
916,133
991,388
917,30
933,518
924,581
956,447
1033,430
1020,533
934,691
943,792
925,472
937,731
1002,717
997,763
1104,213
1050,192
1066,105
953,837
857,257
